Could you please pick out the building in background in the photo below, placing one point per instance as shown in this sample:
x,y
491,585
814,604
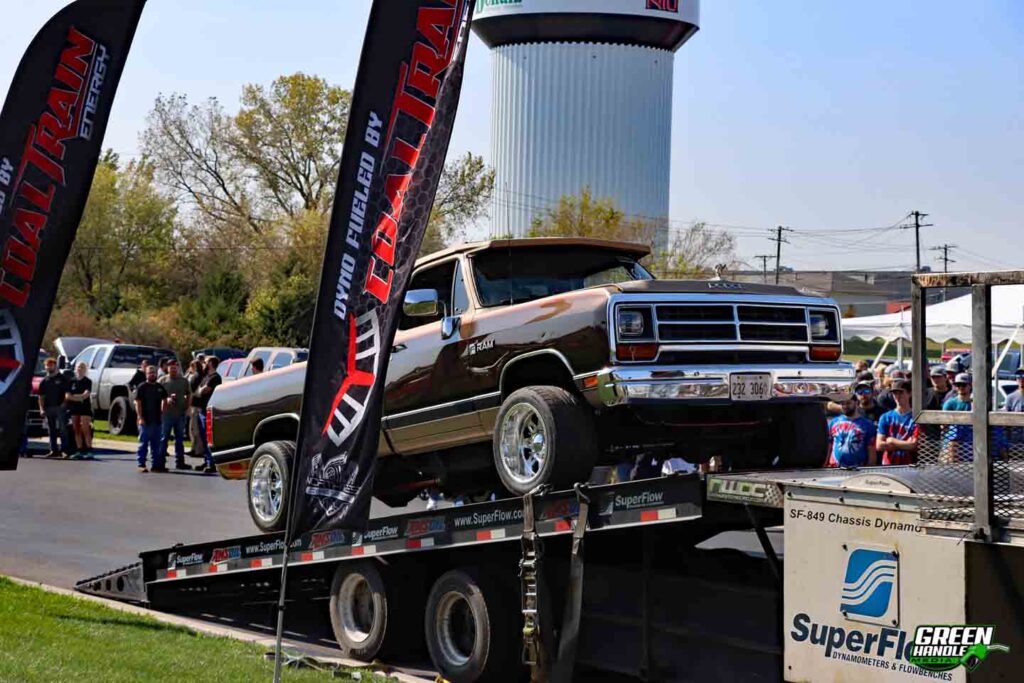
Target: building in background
x,y
858,292
582,97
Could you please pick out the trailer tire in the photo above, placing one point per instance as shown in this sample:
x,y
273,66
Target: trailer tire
x,y
469,628
373,611
567,447
121,419
803,436
267,486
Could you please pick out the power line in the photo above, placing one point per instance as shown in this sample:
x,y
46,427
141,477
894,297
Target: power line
x,y
917,216
764,265
945,255
779,239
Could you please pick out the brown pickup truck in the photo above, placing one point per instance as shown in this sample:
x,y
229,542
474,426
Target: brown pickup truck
x,y
528,361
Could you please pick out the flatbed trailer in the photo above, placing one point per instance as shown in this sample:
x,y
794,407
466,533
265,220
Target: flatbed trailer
x,y
461,583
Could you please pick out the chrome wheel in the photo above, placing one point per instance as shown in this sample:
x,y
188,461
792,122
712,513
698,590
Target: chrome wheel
x,y
266,488
456,628
355,607
523,443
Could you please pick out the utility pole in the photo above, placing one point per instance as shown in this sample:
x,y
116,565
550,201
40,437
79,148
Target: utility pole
x,y
779,240
945,261
764,265
917,216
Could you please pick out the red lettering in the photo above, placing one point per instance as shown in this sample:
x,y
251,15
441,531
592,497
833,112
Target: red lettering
x,y
41,200
35,157
434,24
14,295
29,224
62,103
69,78
410,104
395,188
384,239
19,259
407,153
51,135
378,287
74,56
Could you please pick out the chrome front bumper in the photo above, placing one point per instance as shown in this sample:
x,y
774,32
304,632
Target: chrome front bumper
x,y
620,385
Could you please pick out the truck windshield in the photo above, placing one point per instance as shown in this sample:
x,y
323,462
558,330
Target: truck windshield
x,y
132,356
516,275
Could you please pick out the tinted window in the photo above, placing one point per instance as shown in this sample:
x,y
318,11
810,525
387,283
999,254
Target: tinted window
x,y
101,357
84,357
301,356
439,278
41,364
516,275
233,370
132,356
282,359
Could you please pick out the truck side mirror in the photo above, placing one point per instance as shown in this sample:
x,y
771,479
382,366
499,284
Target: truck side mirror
x,y
421,303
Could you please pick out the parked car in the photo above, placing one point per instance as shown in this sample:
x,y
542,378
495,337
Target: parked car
x,y
111,368
274,358
221,352
69,347
232,368
1006,379
950,353
35,422
522,362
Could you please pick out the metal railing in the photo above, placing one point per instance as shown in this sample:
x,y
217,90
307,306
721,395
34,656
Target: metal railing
x,y
985,486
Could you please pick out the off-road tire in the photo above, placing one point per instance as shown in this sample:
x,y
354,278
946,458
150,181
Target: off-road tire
x,y
283,454
571,438
495,643
121,418
394,626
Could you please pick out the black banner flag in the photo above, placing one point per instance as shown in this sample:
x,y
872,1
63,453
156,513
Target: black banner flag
x,y
51,129
403,110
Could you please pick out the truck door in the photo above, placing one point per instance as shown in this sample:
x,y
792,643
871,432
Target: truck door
x,y
95,374
428,404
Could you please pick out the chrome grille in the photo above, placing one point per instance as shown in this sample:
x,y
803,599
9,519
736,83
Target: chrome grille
x,y
696,323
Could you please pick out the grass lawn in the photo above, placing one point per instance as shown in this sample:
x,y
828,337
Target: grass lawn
x,y
101,429
50,637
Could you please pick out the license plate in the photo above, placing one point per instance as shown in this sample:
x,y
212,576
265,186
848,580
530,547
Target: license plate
x,y
750,387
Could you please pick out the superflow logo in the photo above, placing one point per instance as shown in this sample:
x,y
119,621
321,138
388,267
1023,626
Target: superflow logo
x,y
870,587
12,354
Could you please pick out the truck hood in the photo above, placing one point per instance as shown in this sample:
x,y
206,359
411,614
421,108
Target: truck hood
x,y
70,347
702,287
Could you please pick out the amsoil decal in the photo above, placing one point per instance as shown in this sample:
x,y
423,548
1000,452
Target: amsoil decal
x,y
664,5
403,109
424,527
322,539
225,554
51,129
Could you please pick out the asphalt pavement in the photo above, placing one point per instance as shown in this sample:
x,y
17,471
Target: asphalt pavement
x,y
66,520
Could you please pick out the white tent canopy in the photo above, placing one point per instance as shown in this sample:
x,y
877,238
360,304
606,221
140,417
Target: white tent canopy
x,y
947,320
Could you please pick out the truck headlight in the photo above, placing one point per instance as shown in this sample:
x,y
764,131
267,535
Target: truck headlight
x,y
634,323
824,326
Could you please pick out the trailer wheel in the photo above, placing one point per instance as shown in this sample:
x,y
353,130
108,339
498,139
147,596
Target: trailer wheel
x,y
543,435
469,628
803,436
267,487
370,615
121,417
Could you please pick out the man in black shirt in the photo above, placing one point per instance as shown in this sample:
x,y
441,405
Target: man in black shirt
x,y
52,389
150,400
200,400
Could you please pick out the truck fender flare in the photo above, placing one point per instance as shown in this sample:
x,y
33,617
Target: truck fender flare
x,y
533,354
273,418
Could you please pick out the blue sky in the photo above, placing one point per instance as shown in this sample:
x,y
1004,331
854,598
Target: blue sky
x,y
823,116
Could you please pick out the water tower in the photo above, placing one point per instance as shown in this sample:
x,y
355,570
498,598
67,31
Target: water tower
x,y
582,96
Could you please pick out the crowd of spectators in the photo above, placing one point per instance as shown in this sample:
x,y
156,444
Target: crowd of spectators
x,y
876,426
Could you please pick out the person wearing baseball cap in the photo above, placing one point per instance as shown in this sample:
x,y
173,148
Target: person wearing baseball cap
x,y
959,439
867,406
942,388
1013,437
897,429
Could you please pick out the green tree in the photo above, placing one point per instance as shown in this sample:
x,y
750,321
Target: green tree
x,y
463,195
217,312
691,252
281,312
125,229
